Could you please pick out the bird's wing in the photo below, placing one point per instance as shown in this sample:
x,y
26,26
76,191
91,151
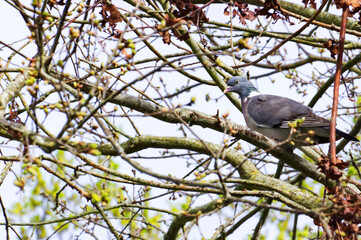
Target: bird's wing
x,y
271,111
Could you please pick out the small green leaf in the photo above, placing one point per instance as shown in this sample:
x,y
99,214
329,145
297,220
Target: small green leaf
x,y
96,197
30,81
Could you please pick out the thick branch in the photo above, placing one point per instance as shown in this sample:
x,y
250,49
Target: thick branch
x,y
11,91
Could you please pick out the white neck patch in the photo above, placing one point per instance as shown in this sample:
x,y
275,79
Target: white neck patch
x,y
253,93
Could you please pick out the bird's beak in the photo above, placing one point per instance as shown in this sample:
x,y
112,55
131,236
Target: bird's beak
x,y
227,90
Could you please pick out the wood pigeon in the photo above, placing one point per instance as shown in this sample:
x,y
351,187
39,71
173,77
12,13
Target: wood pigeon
x,y
271,115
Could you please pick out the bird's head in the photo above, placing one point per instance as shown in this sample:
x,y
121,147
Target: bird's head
x,y
241,86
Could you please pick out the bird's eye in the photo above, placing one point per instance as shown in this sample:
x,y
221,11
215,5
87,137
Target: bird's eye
x,y
237,81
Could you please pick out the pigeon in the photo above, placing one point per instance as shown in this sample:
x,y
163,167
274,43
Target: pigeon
x,y
273,116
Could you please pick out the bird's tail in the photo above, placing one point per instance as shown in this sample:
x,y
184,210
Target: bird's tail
x,y
346,135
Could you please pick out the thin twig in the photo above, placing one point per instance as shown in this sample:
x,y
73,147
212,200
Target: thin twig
x,y
332,150
287,39
6,219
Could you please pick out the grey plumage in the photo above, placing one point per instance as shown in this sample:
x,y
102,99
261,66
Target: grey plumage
x,y
270,115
